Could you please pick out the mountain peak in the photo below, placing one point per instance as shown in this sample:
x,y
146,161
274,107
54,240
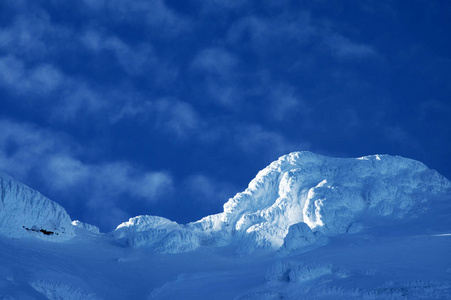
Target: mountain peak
x,y
329,195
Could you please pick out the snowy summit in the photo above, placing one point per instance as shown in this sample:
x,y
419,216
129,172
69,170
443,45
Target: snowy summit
x,y
307,226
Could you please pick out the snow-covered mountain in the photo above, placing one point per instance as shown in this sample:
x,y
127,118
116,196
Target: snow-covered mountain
x,y
307,226
331,195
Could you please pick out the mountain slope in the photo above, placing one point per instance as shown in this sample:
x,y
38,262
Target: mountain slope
x,y
331,195
25,212
376,227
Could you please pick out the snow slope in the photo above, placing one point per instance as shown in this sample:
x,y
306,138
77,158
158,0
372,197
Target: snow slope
x,y
307,227
25,212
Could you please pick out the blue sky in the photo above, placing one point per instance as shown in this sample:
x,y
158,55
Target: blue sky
x,y
118,108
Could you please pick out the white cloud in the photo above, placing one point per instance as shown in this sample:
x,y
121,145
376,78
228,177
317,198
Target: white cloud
x,y
167,115
399,135
11,72
220,69
45,85
225,92
155,14
133,61
34,36
208,191
65,171
80,99
432,109
44,78
27,149
177,116
136,60
285,103
255,139
111,179
94,4
344,48
24,146
265,34
215,60
220,6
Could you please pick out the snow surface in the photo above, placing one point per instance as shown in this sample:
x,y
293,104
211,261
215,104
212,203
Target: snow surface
x,y
25,212
86,227
331,195
307,227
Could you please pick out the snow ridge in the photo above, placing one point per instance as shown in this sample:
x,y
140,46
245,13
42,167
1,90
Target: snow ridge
x,y
296,202
330,195
25,212
160,234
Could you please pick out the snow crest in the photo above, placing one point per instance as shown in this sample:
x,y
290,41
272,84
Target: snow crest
x,y
160,234
330,195
25,212
324,196
86,227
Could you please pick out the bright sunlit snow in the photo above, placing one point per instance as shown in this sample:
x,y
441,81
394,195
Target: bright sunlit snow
x,y
308,226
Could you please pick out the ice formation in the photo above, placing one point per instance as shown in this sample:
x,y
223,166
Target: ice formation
x,y
325,196
86,227
330,195
289,204
25,212
375,227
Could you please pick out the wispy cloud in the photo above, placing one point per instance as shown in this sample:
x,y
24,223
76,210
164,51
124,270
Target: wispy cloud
x,y
156,14
343,48
139,60
44,78
286,103
23,147
215,60
287,33
254,139
27,151
399,136
177,116
112,179
33,36
219,70
265,35
220,6
207,191
45,86
168,115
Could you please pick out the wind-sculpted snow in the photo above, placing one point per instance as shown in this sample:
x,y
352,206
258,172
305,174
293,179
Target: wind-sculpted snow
x,y
300,236
25,212
375,227
58,290
160,234
86,227
330,195
295,272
